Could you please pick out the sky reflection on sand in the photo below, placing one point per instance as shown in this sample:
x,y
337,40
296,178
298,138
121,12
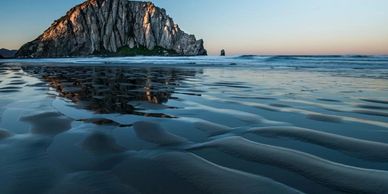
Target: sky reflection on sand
x,y
71,128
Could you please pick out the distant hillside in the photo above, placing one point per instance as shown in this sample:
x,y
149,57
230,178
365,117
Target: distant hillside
x,y
5,53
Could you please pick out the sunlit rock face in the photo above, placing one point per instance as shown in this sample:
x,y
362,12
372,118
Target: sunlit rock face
x,y
98,27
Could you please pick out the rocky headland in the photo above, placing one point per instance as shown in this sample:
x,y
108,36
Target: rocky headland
x,y
113,28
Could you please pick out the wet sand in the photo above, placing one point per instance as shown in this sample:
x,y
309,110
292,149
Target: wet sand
x,y
191,129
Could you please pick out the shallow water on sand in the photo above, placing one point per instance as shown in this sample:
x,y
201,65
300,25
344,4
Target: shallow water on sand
x,y
191,129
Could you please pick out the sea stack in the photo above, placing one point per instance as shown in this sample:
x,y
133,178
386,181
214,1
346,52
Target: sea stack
x,y
113,27
223,53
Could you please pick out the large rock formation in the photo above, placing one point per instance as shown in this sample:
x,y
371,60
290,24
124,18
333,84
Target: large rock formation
x,y
100,27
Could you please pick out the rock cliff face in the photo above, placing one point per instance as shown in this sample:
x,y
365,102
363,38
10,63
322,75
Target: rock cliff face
x,y
98,27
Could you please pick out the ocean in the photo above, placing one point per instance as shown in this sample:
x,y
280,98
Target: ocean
x,y
237,124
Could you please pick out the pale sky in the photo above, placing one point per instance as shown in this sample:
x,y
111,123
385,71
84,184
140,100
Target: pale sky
x,y
240,27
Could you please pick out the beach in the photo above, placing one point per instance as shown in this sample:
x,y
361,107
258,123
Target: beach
x,y
244,124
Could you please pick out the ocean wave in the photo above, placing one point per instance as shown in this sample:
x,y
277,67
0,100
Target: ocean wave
x,y
374,66
282,58
247,56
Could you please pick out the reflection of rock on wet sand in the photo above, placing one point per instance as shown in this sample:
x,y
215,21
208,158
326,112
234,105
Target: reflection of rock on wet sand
x,y
111,89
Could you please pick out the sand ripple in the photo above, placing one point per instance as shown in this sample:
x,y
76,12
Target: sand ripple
x,y
212,178
153,133
369,150
333,175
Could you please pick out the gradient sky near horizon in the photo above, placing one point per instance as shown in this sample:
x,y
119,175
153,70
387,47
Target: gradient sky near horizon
x,y
241,27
